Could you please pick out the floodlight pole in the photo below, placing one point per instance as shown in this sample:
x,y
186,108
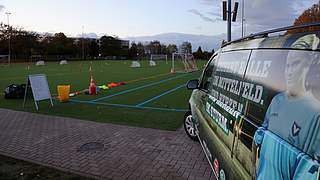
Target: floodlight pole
x,y
9,41
242,18
229,20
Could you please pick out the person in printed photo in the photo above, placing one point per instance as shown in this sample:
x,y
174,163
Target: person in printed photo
x,y
294,114
292,121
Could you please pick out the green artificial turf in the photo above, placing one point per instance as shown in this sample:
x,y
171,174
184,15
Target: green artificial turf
x,y
155,80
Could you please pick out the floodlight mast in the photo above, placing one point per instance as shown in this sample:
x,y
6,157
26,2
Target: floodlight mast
x,y
242,18
229,20
227,13
9,41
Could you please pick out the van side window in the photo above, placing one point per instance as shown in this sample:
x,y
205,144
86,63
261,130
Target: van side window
x,y
228,76
206,82
228,84
264,79
223,95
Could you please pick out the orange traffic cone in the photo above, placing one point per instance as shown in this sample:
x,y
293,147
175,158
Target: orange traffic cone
x,y
92,87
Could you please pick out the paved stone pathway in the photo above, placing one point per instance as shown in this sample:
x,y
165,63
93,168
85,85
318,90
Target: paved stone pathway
x,y
100,150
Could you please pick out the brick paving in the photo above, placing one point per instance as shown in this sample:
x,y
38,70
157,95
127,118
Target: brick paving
x,y
127,152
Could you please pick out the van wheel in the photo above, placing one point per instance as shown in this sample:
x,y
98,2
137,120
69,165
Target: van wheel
x,y
189,127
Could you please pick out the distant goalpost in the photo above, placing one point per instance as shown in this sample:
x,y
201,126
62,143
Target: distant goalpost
x,y
183,62
4,60
35,60
159,57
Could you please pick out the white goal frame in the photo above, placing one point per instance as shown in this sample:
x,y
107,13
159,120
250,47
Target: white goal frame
x,y
154,57
187,60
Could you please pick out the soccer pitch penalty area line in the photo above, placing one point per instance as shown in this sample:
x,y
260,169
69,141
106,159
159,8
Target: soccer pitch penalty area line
x,y
137,88
130,106
159,96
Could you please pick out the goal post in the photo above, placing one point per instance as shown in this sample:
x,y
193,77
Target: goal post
x,y
183,62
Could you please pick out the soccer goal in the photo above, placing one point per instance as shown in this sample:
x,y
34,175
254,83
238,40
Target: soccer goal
x,y
35,58
159,57
183,62
4,60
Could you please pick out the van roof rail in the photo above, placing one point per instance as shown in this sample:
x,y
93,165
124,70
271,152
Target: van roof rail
x,y
266,33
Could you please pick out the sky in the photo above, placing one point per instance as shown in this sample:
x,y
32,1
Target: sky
x,y
127,18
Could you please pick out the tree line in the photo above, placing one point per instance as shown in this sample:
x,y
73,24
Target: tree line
x,y
26,44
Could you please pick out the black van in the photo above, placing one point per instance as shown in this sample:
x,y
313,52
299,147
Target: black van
x,y
256,107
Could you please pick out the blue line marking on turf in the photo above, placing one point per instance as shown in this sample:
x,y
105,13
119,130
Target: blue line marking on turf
x,y
137,88
159,96
129,106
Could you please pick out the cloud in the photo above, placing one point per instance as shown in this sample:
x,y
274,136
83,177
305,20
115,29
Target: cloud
x,y
262,14
270,14
202,16
1,7
198,28
210,2
216,14
265,14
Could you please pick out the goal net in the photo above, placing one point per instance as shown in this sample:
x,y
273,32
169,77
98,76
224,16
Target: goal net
x,y
159,57
4,60
35,58
183,62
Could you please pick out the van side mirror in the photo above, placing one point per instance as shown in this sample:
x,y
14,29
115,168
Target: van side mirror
x,y
193,84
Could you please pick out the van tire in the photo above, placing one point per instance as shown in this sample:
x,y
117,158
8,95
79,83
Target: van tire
x,y
189,126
